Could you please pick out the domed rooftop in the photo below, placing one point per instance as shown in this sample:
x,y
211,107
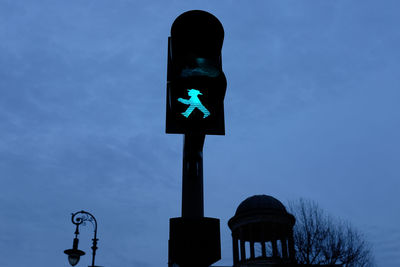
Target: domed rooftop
x,y
260,203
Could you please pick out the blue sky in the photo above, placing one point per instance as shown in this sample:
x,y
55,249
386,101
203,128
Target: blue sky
x,y
311,111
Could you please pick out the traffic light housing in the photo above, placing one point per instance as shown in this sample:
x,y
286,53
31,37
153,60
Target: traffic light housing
x,y
196,84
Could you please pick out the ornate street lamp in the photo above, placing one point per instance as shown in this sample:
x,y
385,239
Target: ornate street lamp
x,y
74,254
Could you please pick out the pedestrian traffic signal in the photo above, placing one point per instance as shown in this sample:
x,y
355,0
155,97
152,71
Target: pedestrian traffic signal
x,y
196,84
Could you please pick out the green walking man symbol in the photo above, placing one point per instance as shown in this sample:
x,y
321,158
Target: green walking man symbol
x,y
193,102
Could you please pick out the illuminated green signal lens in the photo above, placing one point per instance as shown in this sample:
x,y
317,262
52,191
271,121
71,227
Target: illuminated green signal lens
x,y
194,102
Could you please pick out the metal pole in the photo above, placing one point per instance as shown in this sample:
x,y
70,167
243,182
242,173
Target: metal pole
x,y
95,239
192,176
87,217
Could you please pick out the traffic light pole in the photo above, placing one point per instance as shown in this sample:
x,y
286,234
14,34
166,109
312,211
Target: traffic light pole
x,y
194,239
192,176
194,68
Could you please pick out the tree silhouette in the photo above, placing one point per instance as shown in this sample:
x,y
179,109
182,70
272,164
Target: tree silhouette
x,y
320,239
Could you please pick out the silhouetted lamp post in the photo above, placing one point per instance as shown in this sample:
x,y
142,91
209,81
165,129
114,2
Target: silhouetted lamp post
x,y
74,254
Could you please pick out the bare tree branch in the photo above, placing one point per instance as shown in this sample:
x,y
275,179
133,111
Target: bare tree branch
x,y
319,239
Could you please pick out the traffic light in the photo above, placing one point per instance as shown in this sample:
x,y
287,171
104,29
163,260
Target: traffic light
x,y
196,84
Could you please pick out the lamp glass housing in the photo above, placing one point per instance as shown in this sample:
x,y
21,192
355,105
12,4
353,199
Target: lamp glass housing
x,y
74,255
73,259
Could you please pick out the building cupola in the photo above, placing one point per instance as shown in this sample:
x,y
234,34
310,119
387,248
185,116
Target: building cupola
x,y
262,233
